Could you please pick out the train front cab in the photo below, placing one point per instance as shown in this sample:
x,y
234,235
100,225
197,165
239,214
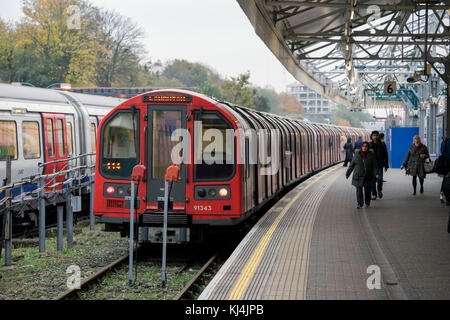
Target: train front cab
x,y
140,131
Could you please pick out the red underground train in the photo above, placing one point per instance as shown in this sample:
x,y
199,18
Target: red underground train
x,y
232,160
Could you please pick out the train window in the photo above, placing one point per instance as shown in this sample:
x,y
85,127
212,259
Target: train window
x,y
69,136
93,138
50,140
8,139
30,140
60,137
164,124
118,152
214,154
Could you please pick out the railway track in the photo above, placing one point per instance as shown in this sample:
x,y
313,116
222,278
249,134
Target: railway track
x,y
96,277
73,293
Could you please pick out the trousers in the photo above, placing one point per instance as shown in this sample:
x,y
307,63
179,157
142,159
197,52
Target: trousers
x,y
363,195
379,183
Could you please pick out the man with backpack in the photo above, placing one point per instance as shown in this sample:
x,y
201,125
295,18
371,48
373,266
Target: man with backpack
x,y
381,154
442,164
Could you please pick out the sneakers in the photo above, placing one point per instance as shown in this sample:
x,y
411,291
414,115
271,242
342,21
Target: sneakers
x,y
367,206
374,197
441,197
359,207
380,194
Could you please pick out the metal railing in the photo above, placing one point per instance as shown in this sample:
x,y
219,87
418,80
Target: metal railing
x,y
61,187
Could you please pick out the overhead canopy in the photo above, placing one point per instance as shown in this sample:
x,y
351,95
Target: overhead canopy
x,y
342,48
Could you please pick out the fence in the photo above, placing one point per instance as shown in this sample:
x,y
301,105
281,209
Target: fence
x,y
63,187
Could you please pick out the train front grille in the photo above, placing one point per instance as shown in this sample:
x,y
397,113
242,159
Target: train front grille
x,y
172,219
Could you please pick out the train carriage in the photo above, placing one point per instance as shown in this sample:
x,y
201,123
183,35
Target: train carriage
x,y
38,126
145,130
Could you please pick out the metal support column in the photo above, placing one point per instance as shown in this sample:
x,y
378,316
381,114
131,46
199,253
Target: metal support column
x,y
432,129
91,202
164,254
130,261
8,213
446,78
60,218
69,214
42,217
422,115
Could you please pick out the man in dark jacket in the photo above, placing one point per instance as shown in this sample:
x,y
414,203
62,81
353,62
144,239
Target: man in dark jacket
x,y
381,154
348,147
358,144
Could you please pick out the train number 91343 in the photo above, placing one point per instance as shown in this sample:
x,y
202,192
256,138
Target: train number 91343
x,y
202,208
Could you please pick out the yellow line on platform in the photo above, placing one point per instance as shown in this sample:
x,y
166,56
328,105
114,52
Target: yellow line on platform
x,y
250,267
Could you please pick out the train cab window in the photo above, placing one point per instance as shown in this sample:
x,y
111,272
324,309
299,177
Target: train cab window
x,y
30,140
69,136
214,149
50,139
8,139
93,138
164,124
118,151
60,138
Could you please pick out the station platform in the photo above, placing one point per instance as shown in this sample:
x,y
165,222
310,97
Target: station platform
x,y
315,244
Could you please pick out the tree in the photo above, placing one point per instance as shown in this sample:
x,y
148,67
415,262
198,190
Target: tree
x,y
353,118
261,102
8,50
289,105
237,90
270,97
343,122
119,50
60,53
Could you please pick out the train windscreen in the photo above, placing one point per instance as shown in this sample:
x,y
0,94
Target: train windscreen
x,y
214,149
118,154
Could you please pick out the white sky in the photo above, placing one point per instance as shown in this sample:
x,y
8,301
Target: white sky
x,y
213,32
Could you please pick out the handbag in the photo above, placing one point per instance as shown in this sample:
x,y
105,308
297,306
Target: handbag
x,y
441,165
428,166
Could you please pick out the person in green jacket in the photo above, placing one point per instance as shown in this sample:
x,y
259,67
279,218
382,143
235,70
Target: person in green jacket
x,y
365,173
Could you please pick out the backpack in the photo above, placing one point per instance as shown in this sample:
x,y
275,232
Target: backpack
x,y
442,165
446,188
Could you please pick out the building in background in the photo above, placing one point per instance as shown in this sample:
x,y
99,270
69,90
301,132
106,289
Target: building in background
x,y
317,108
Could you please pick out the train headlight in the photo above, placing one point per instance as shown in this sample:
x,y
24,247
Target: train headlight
x,y
223,192
110,190
120,191
212,192
201,193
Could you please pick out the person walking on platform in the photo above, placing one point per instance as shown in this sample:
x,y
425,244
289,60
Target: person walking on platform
x,y
414,162
358,144
348,147
442,165
365,172
381,155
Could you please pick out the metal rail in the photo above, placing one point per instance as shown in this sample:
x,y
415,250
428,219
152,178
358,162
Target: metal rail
x,y
73,293
194,280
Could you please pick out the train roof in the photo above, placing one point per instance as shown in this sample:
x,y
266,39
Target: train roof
x,y
23,93
97,101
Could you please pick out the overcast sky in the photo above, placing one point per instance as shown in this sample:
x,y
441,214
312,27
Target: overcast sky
x,y
216,33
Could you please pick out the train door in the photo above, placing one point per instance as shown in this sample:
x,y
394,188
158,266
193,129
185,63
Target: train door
x,y
251,146
55,146
93,134
266,153
162,122
71,146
